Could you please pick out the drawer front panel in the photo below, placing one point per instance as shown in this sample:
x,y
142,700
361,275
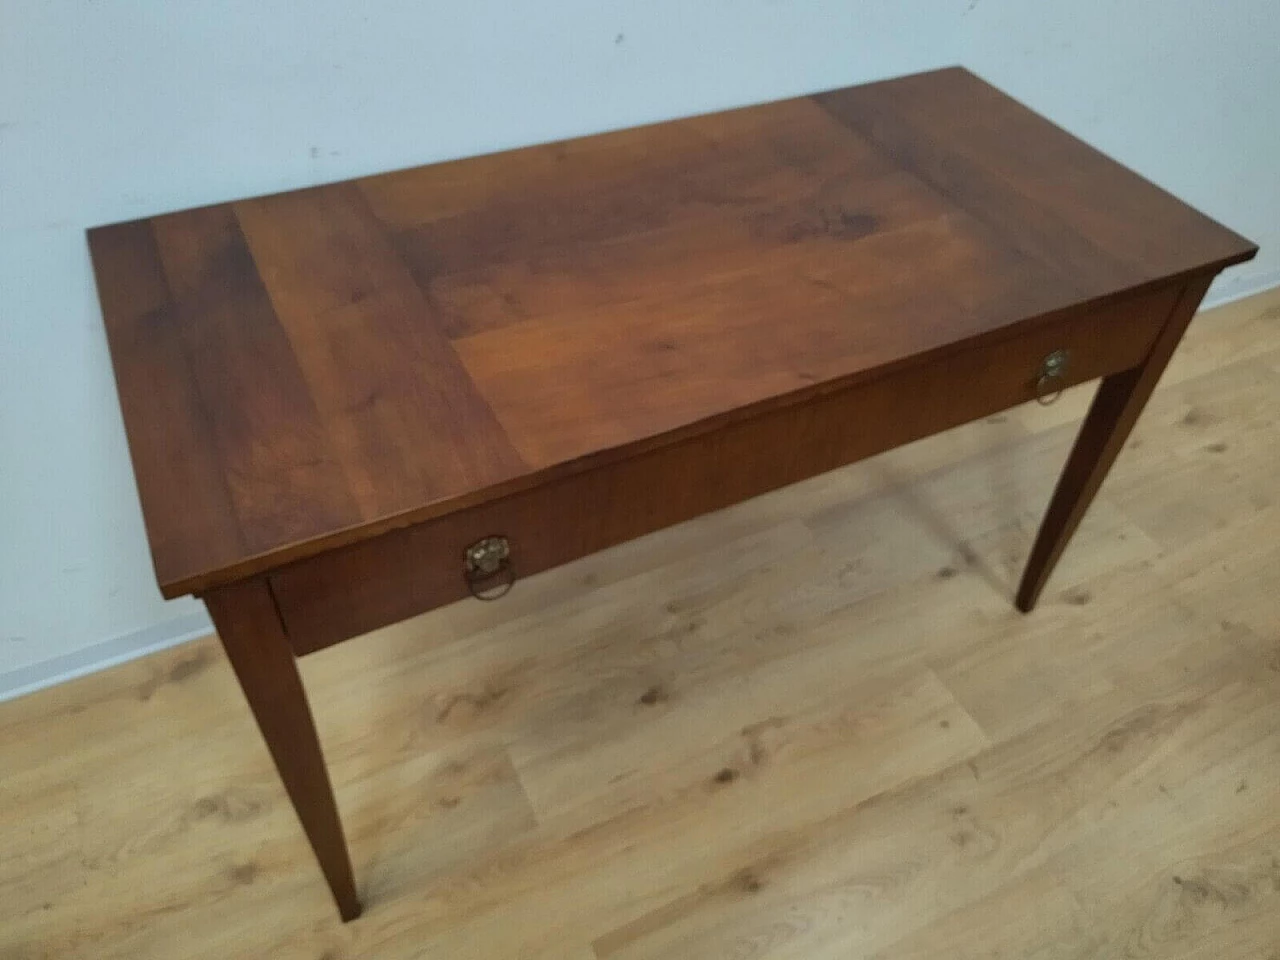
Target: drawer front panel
x,y
350,591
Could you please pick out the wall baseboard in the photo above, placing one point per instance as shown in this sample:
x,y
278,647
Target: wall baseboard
x,y
100,656
129,646
1229,289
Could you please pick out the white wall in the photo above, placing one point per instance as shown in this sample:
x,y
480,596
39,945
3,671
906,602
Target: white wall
x,y
113,109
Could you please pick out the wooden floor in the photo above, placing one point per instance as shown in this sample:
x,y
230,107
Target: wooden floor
x,y
810,727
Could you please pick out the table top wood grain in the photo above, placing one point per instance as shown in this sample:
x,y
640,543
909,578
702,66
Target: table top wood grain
x,y
306,370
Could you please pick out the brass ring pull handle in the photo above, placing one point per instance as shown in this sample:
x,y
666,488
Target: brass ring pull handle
x,y
488,569
1052,378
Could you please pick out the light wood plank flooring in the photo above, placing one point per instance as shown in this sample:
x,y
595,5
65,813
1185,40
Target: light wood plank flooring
x,y
809,727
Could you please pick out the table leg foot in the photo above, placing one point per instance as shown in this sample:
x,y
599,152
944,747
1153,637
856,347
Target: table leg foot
x,y
253,636
1119,400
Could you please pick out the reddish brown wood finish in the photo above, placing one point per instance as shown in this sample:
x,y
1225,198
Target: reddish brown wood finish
x,y
341,361
326,599
329,393
253,636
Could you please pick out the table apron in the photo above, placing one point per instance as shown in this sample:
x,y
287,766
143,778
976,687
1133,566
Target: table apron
x,y
349,591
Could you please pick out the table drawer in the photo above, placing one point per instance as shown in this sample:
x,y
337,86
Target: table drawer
x,y
405,572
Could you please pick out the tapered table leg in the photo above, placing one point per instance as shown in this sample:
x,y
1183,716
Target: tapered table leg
x,y
251,632
1115,409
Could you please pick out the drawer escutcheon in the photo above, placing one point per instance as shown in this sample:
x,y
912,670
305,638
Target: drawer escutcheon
x,y
1053,371
489,559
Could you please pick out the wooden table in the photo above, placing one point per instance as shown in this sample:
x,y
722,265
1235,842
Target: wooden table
x,y
334,396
